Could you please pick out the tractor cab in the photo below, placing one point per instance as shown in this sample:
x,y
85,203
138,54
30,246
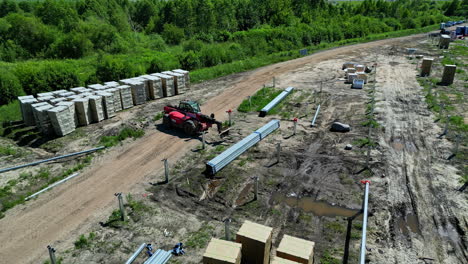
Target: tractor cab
x,y
189,106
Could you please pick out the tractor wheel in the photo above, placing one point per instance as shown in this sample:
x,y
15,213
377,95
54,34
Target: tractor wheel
x,y
167,121
190,128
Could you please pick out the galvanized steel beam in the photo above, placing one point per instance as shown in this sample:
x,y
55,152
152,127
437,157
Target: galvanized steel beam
x,y
275,101
223,159
135,255
51,159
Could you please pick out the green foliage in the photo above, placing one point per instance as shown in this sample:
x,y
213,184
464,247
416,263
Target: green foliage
x,y
335,227
126,132
158,116
10,87
200,238
172,34
228,36
84,242
259,100
327,258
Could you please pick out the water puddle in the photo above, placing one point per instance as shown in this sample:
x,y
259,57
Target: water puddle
x,y
411,223
318,208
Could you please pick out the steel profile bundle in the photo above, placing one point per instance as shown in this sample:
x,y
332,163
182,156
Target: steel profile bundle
x,y
135,255
223,159
159,257
275,101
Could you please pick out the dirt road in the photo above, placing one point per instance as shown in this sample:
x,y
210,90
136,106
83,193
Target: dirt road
x,y
87,199
418,208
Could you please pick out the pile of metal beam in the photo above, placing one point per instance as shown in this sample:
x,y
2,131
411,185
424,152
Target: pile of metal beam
x,y
223,159
276,101
159,257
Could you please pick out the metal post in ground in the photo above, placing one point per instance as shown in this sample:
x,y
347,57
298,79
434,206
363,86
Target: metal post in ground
x,y
255,187
320,99
166,171
295,125
362,257
274,82
121,205
250,101
455,149
229,116
278,152
227,231
53,260
203,143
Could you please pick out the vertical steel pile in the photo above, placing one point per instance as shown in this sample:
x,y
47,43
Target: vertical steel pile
x,y
223,159
276,101
449,74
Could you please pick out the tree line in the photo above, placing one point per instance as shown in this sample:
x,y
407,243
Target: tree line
x,y
39,38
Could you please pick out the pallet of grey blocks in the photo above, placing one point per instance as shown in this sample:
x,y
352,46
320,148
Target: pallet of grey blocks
x,y
60,112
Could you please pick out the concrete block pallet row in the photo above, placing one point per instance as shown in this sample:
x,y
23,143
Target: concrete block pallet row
x,y
61,112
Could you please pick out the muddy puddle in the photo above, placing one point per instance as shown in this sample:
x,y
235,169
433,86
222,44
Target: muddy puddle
x,y
411,223
318,208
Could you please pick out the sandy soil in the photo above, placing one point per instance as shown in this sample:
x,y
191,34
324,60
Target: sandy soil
x,y
76,206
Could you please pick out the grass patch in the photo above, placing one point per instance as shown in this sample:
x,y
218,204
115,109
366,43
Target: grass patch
x,y
327,258
158,116
126,132
259,100
335,227
84,242
200,238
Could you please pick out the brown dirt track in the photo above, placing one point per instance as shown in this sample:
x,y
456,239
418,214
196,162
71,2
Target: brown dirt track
x,y
26,230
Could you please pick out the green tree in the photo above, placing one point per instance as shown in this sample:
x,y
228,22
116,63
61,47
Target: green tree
x,y
173,34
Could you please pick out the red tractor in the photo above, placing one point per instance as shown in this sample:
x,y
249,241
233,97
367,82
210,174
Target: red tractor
x,y
188,117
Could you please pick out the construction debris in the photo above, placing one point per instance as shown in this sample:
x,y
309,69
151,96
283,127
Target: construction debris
x,y
340,127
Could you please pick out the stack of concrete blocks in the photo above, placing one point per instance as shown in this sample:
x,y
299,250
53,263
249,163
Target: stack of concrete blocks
x,y
256,242
444,41
126,96
72,108
83,111
296,249
96,87
111,84
155,90
58,92
57,100
26,109
147,86
426,67
66,94
42,118
351,77
107,104
73,97
362,76
97,113
187,76
360,68
449,74
278,260
347,65
222,252
62,119
167,84
138,90
116,98
77,90
179,81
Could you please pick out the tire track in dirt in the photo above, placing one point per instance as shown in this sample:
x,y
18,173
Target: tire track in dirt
x,y
89,198
417,213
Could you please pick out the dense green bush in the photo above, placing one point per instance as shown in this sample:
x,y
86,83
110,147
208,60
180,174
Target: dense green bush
x,y
46,76
10,87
